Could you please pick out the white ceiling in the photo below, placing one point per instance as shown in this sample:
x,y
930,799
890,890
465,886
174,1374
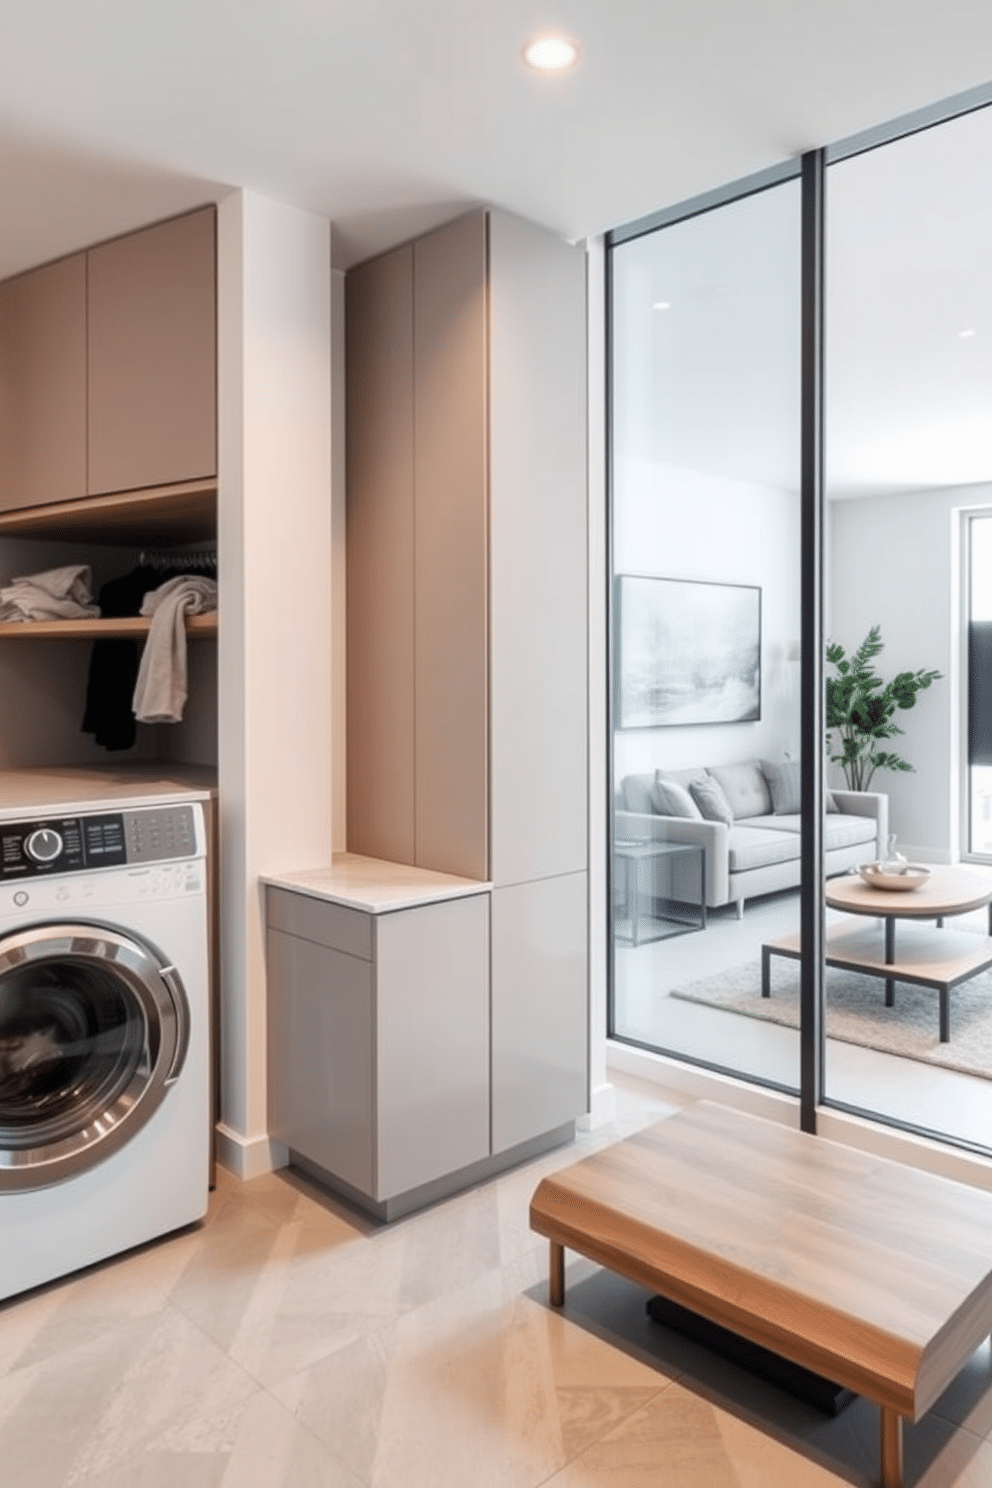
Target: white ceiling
x,y
388,115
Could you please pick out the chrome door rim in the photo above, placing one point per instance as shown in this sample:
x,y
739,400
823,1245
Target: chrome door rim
x,y
155,990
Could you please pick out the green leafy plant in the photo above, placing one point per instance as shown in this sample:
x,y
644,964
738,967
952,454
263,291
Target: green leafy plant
x,y
860,709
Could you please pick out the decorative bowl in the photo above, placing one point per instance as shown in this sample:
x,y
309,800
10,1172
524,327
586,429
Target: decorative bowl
x,y
899,877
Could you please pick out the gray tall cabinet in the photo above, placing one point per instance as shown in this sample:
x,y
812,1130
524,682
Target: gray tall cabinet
x,y
467,629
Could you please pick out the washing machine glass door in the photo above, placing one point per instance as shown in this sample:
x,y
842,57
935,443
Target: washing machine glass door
x,y
93,1030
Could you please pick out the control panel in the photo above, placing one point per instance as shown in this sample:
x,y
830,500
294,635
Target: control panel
x,y
115,839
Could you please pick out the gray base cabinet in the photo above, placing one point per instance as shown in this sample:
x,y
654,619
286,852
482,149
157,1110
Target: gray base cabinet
x,y
539,1015
379,1040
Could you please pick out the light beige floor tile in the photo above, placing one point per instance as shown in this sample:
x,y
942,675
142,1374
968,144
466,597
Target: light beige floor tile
x,y
339,1400
449,1246
69,1311
672,1442
306,1307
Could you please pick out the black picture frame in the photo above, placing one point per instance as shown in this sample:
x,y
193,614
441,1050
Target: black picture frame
x,y
688,652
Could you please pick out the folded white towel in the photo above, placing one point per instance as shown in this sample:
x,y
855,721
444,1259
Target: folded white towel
x,y
56,594
160,691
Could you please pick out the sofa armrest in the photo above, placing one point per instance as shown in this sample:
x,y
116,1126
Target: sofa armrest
x,y
868,803
712,836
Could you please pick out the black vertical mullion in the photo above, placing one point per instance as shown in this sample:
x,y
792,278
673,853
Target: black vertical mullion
x,y
812,917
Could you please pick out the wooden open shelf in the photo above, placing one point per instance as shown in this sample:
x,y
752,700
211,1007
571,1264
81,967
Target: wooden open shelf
x,y
198,627
158,516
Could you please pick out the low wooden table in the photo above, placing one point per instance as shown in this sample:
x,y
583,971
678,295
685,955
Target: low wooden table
x,y
870,1273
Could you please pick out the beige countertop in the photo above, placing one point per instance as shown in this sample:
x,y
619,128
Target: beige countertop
x,y
59,789
375,886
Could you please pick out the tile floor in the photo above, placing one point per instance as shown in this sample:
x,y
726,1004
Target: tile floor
x,y
284,1342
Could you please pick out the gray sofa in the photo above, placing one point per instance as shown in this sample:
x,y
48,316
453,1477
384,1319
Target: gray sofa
x,y
757,850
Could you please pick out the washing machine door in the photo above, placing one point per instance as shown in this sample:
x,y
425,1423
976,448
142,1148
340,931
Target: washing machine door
x,y
94,1028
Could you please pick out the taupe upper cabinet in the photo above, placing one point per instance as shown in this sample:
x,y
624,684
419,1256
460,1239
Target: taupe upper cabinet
x,y
43,385
151,356
467,571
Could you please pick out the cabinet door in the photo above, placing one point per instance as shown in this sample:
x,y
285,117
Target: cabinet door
x,y
380,545
539,1007
152,356
43,385
432,985
450,549
321,1031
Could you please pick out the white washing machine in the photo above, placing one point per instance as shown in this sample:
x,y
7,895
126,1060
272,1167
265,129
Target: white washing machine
x,y
104,1033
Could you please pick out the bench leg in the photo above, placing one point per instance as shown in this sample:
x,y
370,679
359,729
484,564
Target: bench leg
x,y
891,1445
556,1275
766,972
945,1015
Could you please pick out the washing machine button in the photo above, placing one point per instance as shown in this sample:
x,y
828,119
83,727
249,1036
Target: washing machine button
x,y
21,898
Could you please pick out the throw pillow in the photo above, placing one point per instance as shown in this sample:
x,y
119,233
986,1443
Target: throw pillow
x,y
672,799
785,784
711,801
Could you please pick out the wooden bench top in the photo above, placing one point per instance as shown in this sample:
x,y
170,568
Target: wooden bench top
x,y
873,1274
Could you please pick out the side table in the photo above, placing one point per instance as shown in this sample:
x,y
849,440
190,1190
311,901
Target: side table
x,y
673,865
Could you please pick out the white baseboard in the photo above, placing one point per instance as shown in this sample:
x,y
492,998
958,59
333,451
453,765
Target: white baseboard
x,y
249,1157
602,1108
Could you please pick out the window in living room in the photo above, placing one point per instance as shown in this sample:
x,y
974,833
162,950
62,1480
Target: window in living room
x,y
978,593
705,621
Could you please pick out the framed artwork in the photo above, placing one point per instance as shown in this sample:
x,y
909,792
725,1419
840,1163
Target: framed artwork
x,y
686,652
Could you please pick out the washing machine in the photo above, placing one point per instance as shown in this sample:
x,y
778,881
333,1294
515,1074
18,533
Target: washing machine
x,y
104,1033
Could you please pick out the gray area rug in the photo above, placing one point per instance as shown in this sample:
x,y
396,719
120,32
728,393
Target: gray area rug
x,y
856,1012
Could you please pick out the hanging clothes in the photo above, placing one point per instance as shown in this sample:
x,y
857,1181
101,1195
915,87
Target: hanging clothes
x,y
160,690
109,714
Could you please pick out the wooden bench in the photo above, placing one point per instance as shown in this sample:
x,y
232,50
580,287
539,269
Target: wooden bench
x,y
875,1275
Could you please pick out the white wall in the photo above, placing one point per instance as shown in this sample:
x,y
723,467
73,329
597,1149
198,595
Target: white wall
x,y
687,524
895,561
274,544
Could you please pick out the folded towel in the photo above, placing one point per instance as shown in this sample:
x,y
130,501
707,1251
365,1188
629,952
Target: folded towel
x,y
160,691
55,594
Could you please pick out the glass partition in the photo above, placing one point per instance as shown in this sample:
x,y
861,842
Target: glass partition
x,y
705,622
908,417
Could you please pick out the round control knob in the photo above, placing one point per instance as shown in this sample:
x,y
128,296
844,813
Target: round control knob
x,y
44,845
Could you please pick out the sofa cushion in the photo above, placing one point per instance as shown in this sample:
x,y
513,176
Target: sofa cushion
x,y
784,785
759,847
712,802
637,793
744,787
671,799
840,830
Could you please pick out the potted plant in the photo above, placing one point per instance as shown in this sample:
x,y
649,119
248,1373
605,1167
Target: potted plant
x,y
860,709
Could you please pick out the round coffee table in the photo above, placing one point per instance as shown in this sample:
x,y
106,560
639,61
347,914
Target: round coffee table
x,y
948,891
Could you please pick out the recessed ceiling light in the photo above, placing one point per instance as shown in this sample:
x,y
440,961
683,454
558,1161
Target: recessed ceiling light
x,y
662,305
966,335
551,53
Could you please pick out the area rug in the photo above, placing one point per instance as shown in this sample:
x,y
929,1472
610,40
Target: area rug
x,y
856,1012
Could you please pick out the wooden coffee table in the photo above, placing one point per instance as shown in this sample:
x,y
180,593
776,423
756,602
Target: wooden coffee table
x,y
870,1273
941,961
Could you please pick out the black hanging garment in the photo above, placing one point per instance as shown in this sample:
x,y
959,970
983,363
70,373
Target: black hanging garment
x,y
109,716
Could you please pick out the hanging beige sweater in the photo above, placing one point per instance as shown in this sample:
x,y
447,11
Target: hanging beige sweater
x,y
160,691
